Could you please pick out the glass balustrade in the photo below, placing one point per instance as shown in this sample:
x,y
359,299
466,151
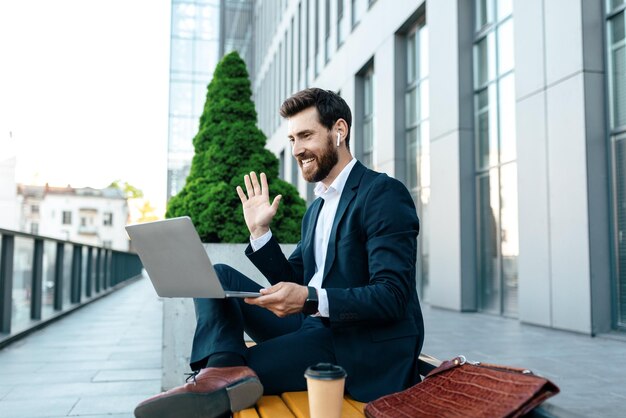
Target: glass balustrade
x,y
41,278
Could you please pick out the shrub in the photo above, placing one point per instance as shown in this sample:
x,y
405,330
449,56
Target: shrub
x,y
229,145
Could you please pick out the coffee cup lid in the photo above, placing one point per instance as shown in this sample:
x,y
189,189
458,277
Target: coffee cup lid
x,y
325,371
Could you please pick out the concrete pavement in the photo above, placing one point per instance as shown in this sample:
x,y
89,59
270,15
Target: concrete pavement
x,y
103,359
591,372
98,361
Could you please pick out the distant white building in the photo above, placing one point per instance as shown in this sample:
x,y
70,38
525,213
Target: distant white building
x,y
90,216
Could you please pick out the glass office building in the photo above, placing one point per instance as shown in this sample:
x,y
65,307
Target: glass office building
x,y
195,46
201,32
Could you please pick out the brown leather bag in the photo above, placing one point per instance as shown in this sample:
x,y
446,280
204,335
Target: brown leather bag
x,y
458,388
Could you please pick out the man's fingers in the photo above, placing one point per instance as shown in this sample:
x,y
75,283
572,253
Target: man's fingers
x,y
242,195
264,187
249,188
270,290
276,202
255,183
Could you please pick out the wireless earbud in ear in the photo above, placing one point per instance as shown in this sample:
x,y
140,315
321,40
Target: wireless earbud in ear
x,y
338,138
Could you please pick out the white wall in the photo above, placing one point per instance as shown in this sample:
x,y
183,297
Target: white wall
x,y
561,160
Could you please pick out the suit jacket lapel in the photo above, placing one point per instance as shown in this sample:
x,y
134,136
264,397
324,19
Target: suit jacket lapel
x,y
309,241
349,191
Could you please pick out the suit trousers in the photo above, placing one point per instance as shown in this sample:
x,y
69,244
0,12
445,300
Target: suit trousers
x,y
284,348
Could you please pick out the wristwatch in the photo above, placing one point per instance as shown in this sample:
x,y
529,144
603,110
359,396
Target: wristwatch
x,y
310,304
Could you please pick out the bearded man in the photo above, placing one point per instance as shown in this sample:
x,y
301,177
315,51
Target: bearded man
x,y
347,295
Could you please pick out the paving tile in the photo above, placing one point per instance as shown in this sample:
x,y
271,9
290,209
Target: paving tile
x,y
141,349
46,377
129,415
22,367
127,375
4,390
37,407
57,355
89,406
104,389
151,355
103,365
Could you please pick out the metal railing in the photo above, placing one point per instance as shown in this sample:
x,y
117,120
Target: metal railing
x,y
42,278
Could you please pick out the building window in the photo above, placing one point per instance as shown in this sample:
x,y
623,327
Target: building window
x,y
34,228
282,64
617,63
616,54
367,137
418,139
294,172
292,58
327,32
34,209
316,43
108,219
285,84
364,115
67,217
359,7
496,167
341,33
307,49
299,61
107,243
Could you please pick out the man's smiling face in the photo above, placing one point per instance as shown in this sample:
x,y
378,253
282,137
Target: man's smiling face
x,y
312,145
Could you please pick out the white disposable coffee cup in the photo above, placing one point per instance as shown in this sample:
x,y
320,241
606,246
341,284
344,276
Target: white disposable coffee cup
x,y
325,383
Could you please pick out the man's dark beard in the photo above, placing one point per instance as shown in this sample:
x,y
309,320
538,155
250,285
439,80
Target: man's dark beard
x,y
325,162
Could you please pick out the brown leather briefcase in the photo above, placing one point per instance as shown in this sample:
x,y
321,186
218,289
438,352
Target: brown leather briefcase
x,y
458,388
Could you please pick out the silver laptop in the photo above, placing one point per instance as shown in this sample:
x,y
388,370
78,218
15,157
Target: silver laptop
x,y
176,261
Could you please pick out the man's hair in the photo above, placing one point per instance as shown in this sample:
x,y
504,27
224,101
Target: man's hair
x,y
330,107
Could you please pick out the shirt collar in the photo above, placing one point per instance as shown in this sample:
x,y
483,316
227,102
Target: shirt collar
x,y
338,184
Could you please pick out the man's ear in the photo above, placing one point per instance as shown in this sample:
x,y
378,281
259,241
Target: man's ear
x,y
342,126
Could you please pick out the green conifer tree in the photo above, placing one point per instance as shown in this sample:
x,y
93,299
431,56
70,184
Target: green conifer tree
x,y
227,146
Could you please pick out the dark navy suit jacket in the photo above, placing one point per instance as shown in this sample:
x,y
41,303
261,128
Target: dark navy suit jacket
x,y
369,276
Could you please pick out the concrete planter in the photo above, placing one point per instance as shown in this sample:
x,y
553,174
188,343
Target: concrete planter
x,y
179,317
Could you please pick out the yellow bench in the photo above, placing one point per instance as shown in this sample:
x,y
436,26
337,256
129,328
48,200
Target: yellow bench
x,y
296,404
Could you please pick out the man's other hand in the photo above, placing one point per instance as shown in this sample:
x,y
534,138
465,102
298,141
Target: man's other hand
x,y
257,210
282,299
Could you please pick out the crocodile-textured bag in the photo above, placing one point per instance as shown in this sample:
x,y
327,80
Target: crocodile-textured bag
x,y
458,388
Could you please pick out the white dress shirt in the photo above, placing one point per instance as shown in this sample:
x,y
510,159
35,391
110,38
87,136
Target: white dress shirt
x,y
331,196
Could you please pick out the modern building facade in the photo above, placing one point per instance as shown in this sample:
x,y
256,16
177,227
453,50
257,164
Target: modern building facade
x,y
506,120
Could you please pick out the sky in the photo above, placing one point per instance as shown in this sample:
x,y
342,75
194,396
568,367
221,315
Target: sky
x,y
84,92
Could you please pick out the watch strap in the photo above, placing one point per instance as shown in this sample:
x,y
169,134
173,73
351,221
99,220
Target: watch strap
x,y
311,303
